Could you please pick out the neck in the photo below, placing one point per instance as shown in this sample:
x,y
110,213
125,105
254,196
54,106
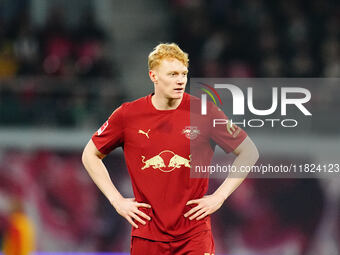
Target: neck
x,y
162,103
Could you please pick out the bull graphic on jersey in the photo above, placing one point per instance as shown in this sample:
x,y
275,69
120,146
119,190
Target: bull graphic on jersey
x,y
155,162
178,161
159,161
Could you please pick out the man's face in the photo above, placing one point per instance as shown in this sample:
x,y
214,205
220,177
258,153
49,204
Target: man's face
x,y
170,78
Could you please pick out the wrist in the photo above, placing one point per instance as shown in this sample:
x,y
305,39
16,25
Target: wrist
x,y
220,195
115,200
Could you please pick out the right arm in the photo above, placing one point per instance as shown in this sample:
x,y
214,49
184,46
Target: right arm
x,y
126,207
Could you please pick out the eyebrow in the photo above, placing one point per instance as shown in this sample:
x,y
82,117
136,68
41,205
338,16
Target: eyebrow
x,y
186,71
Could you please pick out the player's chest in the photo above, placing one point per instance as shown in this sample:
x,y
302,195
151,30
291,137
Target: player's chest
x,y
145,131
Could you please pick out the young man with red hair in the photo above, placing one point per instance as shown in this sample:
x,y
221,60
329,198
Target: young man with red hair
x,y
170,213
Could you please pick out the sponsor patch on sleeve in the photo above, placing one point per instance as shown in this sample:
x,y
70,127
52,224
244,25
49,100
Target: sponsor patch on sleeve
x,y
103,127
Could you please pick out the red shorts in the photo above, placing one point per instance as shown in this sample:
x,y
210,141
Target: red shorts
x,y
201,243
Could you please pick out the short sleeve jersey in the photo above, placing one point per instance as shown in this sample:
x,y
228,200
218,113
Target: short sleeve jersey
x,y
156,146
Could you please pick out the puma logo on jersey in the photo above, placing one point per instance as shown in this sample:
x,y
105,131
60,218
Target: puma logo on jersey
x,y
144,133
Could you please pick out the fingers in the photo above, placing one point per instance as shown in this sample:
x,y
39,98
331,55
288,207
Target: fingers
x,y
194,201
140,213
134,216
196,208
129,210
131,222
202,216
143,205
197,214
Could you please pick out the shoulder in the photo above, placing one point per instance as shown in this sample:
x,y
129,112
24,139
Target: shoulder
x,y
132,107
196,104
192,98
137,104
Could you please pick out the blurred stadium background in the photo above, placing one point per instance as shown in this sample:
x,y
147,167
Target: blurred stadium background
x,y
66,64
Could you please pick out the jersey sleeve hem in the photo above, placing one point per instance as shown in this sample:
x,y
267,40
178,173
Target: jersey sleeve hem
x,y
101,150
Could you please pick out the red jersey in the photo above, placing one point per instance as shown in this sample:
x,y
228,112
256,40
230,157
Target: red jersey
x,y
156,146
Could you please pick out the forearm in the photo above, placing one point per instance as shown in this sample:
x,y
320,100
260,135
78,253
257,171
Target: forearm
x,y
99,174
236,178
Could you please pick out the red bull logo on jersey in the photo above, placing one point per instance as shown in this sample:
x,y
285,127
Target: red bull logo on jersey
x,y
191,132
178,161
166,161
154,162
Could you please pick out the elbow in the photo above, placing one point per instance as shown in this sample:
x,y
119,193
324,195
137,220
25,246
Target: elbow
x,y
90,154
84,156
251,154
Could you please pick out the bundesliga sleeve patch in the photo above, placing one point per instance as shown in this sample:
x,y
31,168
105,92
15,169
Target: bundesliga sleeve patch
x,y
103,127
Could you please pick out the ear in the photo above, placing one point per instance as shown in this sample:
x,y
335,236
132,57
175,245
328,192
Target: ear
x,y
153,76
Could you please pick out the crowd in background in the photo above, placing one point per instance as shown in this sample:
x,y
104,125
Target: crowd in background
x,y
51,75
223,38
257,38
55,49
67,205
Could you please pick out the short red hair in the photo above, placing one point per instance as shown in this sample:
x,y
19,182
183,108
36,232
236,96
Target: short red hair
x,y
164,51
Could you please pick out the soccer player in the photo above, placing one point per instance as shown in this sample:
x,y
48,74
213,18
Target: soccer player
x,y
170,213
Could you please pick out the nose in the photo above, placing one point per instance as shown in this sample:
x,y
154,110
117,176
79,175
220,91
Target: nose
x,y
181,80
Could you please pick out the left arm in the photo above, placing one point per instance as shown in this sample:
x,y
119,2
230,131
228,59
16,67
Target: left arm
x,y
246,155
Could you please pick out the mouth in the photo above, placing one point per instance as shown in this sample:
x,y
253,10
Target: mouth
x,y
179,89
